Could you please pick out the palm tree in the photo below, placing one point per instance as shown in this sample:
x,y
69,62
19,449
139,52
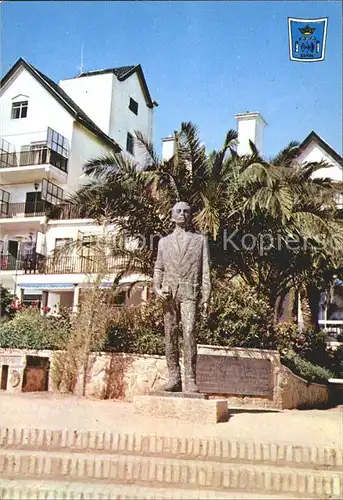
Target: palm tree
x,y
283,204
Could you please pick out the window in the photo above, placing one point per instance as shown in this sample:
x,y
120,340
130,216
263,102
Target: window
x,y
28,300
19,110
33,154
119,299
88,245
57,143
60,242
51,192
133,106
129,143
4,202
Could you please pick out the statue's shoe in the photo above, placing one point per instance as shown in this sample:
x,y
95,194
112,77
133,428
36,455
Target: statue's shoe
x,y
190,386
173,386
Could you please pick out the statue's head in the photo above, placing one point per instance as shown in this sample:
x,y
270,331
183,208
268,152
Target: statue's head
x,y
181,214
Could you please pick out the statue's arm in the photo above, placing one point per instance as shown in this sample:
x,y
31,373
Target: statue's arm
x,y
206,276
158,269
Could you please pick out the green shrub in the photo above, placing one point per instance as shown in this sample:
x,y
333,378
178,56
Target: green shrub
x,y
30,330
306,369
137,329
287,337
148,342
239,317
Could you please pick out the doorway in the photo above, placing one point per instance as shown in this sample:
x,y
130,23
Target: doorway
x,y
34,203
36,374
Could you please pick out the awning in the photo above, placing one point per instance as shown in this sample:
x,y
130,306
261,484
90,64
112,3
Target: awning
x,y
47,286
64,286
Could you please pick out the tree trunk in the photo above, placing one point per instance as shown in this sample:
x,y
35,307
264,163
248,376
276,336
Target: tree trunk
x,y
306,311
313,295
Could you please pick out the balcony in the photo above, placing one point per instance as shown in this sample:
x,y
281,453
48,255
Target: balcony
x,y
31,166
64,265
43,156
83,265
49,153
22,210
67,211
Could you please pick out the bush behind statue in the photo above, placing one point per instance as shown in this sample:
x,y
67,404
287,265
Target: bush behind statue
x,y
240,317
137,329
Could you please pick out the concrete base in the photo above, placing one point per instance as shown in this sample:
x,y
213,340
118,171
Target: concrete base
x,y
191,409
191,395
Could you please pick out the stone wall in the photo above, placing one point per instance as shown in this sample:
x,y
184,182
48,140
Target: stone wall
x,y
15,360
123,376
295,392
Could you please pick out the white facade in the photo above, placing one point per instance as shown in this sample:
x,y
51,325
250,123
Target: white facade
x,y
94,95
315,153
84,147
30,160
106,100
43,111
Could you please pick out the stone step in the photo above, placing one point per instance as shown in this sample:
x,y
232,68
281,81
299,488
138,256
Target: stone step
x,y
63,490
170,472
209,449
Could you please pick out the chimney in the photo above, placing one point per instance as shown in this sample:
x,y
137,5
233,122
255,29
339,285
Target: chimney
x,y
250,127
168,147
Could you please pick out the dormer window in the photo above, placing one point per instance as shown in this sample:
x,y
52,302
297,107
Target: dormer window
x,y
19,110
133,106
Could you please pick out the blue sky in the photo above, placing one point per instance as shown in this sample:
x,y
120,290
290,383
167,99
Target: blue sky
x,y
203,61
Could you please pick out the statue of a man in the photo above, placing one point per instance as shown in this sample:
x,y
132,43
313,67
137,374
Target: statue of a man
x,y
182,280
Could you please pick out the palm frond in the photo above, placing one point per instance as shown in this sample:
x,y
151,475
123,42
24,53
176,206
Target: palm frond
x,y
151,156
287,156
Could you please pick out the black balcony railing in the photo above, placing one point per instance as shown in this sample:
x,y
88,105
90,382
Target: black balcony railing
x,y
8,160
28,209
89,264
39,156
37,264
40,208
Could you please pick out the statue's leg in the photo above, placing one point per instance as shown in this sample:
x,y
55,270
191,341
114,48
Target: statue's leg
x,y
188,308
171,332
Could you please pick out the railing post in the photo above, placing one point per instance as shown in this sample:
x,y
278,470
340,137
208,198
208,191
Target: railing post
x,y
76,298
44,303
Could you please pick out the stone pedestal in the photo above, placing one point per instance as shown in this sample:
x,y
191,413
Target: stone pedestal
x,y
195,408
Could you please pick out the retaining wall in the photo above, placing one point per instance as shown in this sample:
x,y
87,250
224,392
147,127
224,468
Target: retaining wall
x,y
123,376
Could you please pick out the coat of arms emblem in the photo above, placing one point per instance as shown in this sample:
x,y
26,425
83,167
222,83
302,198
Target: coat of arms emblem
x,y
307,39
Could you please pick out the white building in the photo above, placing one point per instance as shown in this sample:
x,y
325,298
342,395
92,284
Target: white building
x,y
47,133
